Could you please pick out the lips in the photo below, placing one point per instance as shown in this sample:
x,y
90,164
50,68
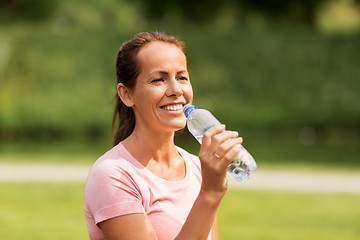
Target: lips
x,y
173,107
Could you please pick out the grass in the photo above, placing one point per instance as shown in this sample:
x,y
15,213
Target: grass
x,y
282,216
42,211
55,211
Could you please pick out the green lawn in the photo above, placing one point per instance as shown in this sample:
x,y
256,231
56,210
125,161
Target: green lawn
x,y
36,211
55,211
284,216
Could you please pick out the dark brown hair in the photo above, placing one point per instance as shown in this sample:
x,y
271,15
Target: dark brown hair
x,y
127,71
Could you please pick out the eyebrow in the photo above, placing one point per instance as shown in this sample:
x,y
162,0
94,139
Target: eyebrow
x,y
166,73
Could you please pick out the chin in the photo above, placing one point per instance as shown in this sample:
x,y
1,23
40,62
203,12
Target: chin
x,y
176,126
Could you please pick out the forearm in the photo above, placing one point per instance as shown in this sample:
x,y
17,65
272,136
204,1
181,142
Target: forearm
x,y
214,181
201,217
215,230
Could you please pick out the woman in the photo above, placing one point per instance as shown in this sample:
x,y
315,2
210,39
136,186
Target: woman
x,y
145,187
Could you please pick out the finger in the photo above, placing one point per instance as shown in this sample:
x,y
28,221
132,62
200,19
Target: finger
x,y
218,140
218,145
231,154
224,136
227,145
210,133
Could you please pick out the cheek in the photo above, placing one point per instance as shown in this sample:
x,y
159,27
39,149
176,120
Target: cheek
x,y
188,93
147,96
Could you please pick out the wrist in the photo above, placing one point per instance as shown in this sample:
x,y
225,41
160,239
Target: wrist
x,y
214,191
210,197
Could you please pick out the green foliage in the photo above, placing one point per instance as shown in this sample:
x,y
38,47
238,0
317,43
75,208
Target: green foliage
x,y
303,12
187,10
28,10
278,78
57,79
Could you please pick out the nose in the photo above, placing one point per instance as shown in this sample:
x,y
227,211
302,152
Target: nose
x,y
174,88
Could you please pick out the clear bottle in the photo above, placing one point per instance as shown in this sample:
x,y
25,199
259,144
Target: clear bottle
x,y
200,120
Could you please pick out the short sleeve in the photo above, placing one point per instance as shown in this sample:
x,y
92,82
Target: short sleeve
x,y
111,191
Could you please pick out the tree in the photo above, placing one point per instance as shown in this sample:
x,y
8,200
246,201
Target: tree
x,y
206,10
32,10
289,10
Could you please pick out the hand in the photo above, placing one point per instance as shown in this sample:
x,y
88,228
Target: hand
x,y
219,147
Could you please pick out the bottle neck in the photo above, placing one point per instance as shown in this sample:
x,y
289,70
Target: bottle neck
x,y
188,109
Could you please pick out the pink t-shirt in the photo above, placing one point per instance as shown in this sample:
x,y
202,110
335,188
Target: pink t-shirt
x,y
118,185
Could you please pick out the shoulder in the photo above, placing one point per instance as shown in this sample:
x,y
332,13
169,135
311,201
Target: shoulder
x,y
113,174
113,187
116,160
115,168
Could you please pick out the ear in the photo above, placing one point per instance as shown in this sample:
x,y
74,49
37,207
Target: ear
x,y
124,94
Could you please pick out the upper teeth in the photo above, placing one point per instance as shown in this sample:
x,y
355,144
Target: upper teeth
x,y
173,107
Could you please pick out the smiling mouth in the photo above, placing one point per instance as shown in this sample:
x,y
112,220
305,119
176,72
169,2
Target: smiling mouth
x,y
176,107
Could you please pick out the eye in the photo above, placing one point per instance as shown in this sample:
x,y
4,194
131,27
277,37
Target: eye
x,y
183,78
157,80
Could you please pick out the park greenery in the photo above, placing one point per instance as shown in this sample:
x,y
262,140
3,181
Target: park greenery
x,y
284,73
290,87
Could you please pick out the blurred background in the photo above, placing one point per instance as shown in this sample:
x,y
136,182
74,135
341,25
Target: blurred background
x,y
283,73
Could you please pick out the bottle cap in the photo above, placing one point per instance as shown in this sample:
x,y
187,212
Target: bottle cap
x,y
188,109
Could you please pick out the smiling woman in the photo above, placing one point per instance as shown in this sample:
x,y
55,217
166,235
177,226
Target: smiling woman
x,y
145,187
162,84
127,70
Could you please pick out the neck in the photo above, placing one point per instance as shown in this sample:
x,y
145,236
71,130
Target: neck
x,y
156,151
146,145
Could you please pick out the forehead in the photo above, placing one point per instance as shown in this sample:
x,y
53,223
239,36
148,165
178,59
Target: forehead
x,y
158,52
158,46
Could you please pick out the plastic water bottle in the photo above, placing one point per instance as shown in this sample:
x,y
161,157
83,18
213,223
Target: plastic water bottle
x,y
200,120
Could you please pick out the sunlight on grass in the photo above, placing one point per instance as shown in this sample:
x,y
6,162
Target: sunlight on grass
x,y
283,216
36,211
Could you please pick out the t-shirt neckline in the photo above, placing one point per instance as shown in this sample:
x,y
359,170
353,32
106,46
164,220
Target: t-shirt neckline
x,y
137,164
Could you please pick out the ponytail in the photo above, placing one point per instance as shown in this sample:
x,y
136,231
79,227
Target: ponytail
x,y
126,123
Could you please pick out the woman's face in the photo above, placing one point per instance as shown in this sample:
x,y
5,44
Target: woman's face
x,y
162,88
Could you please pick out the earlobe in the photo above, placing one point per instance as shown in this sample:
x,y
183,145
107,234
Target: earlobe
x,y
124,94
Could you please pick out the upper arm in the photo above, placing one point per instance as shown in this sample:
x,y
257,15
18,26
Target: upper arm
x,y
128,227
